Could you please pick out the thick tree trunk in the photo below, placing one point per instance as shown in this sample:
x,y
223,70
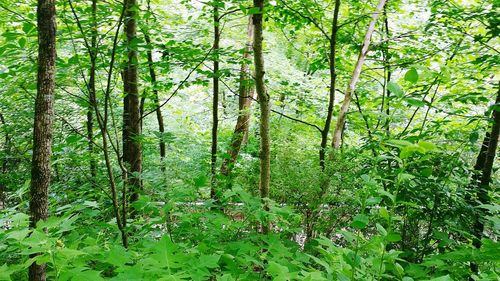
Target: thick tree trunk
x,y
483,187
44,112
246,93
333,79
132,150
265,108
215,101
337,135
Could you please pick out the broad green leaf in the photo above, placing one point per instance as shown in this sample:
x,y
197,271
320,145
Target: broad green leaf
x,y
411,75
360,221
393,237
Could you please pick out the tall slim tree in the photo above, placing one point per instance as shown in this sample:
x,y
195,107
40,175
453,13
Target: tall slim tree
x,y
156,99
485,162
92,91
44,113
265,106
337,135
215,98
132,150
246,93
333,79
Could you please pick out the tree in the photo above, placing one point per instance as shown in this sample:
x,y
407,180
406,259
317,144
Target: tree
x,y
92,92
245,96
215,98
485,162
156,99
44,114
132,151
337,134
265,106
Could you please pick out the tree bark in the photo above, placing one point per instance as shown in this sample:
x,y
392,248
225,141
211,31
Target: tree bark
x,y
483,188
44,112
337,135
156,99
246,93
333,79
132,150
265,108
215,101
92,91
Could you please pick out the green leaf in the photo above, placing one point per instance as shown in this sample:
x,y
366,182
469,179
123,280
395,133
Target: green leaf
x,y
384,213
393,237
27,27
279,272
201,181
415,102
411,75
474,136
381,229
18,234
22,42
360,221
395,89
254,11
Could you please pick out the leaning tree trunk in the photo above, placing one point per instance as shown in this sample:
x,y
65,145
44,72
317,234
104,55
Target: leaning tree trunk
x,y
245,97
333,79
156,99
215,101
132,150
265,108
483,186
337,135
44,112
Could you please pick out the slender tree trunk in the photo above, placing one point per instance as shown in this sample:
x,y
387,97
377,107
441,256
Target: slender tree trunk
x,y
265,108
156,99
246,93
92,91
388,70
483,188
6,148
333,79
337,135
132,150
215,101
44,112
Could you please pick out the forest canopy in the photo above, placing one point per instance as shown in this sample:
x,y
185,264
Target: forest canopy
x,y
249,140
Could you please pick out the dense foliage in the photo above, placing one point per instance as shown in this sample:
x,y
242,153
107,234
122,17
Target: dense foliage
x,y
403,198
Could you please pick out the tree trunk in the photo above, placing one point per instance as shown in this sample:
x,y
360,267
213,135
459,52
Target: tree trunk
x,y
44,112
337,135
483,187
156,99
333,79
246,93
265,108
132,150
387,68
6,147
215,101
92,91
